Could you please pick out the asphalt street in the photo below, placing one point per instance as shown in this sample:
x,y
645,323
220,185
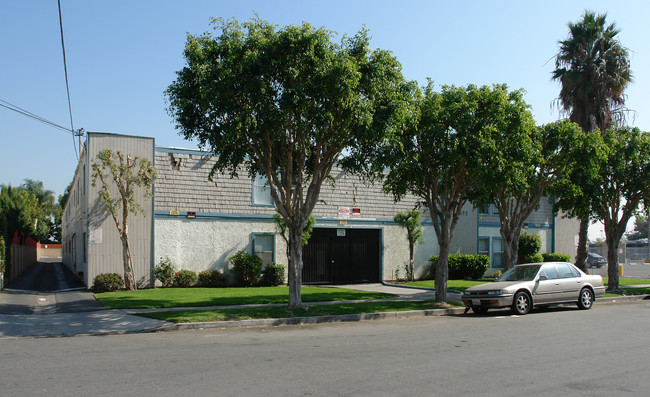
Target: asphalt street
x,y
564,351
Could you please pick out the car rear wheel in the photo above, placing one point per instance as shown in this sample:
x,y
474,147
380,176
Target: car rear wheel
x,y
586,299
521,304
479,309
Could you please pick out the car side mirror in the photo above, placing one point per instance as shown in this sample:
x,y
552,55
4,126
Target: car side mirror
x,y
542,278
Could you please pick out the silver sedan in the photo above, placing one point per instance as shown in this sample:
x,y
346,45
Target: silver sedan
x,y
536,285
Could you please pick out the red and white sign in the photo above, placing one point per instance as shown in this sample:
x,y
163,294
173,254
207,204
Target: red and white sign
x,y
356,211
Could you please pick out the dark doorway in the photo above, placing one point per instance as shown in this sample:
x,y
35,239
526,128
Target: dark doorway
x,y
340,256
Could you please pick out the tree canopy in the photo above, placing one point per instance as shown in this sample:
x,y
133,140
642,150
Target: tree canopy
x,y
287,103
593,69
623,184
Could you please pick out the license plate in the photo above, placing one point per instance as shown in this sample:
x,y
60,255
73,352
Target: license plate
x,y
476,302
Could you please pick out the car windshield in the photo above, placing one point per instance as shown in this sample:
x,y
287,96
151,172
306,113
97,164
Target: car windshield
x,y
520,273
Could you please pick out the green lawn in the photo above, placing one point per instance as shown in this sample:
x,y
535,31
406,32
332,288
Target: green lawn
x,y
191,316
187,297
627,281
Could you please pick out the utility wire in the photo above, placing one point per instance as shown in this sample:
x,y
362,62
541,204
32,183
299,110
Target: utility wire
x,y
33,116
67,86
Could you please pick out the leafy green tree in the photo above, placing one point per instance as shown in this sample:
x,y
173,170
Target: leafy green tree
x,y
287,103
623,185
48,222
439,158
528,163
593,69
115,172
19,213
411,222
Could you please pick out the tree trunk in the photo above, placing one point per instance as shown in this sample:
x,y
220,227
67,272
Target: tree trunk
x,y
510,247
612,264
295,268
581,254
129,279
412,278
442,270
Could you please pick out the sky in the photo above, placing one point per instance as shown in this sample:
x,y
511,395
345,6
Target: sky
x,y
122,54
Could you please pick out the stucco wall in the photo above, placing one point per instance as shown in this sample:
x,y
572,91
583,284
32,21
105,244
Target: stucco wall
x,y
202,244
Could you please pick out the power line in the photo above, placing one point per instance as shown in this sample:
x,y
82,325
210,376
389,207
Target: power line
x,y
67,85
33,116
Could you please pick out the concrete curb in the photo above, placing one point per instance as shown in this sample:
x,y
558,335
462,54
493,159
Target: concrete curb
x,y
322,319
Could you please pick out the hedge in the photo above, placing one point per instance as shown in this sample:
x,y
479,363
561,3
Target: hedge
x,y
462,266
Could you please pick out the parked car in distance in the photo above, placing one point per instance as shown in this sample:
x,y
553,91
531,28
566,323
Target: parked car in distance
x,y
536,285
595,260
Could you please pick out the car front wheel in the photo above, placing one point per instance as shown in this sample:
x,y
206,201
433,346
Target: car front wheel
x,y
521,304
586,299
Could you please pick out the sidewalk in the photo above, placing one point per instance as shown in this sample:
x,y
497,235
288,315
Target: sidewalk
x,y
38,315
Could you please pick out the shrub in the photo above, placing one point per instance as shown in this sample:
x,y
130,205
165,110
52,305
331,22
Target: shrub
x,y
463,266
212,278
556,257
246,268
107,282
165,272
272,275
529,246
184,278
496,274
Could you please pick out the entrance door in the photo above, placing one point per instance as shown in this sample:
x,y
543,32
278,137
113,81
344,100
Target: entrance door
x,y
338,256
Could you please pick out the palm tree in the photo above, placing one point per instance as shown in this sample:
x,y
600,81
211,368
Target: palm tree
x,y
594,69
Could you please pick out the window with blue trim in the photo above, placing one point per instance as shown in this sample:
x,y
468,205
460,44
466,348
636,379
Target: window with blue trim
x,y
484,246
264,247
262,192
497,252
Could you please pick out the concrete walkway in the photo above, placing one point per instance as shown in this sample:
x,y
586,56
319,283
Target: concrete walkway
x,y
34,315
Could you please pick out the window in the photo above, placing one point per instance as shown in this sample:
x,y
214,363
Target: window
x,y
484,246
566,271
264,247
262,192
549,271
497,252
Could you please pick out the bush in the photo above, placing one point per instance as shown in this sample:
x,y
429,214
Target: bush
x,y
462,266
212,278
246,268
107,282
555,257
272,275
165,272
529,246
184,278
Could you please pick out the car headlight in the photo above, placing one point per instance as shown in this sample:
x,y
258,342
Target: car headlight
x,y
498,292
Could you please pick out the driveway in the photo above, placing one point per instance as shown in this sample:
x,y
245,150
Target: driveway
x,y
49,275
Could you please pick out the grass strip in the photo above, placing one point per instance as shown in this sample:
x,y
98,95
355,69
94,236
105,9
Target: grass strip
x,y
186,297
193,316
627,281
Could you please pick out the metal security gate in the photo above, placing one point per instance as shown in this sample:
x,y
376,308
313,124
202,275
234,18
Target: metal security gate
x,y
339,256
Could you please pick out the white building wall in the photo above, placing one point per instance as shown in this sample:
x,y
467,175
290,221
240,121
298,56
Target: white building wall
x,y
206,244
